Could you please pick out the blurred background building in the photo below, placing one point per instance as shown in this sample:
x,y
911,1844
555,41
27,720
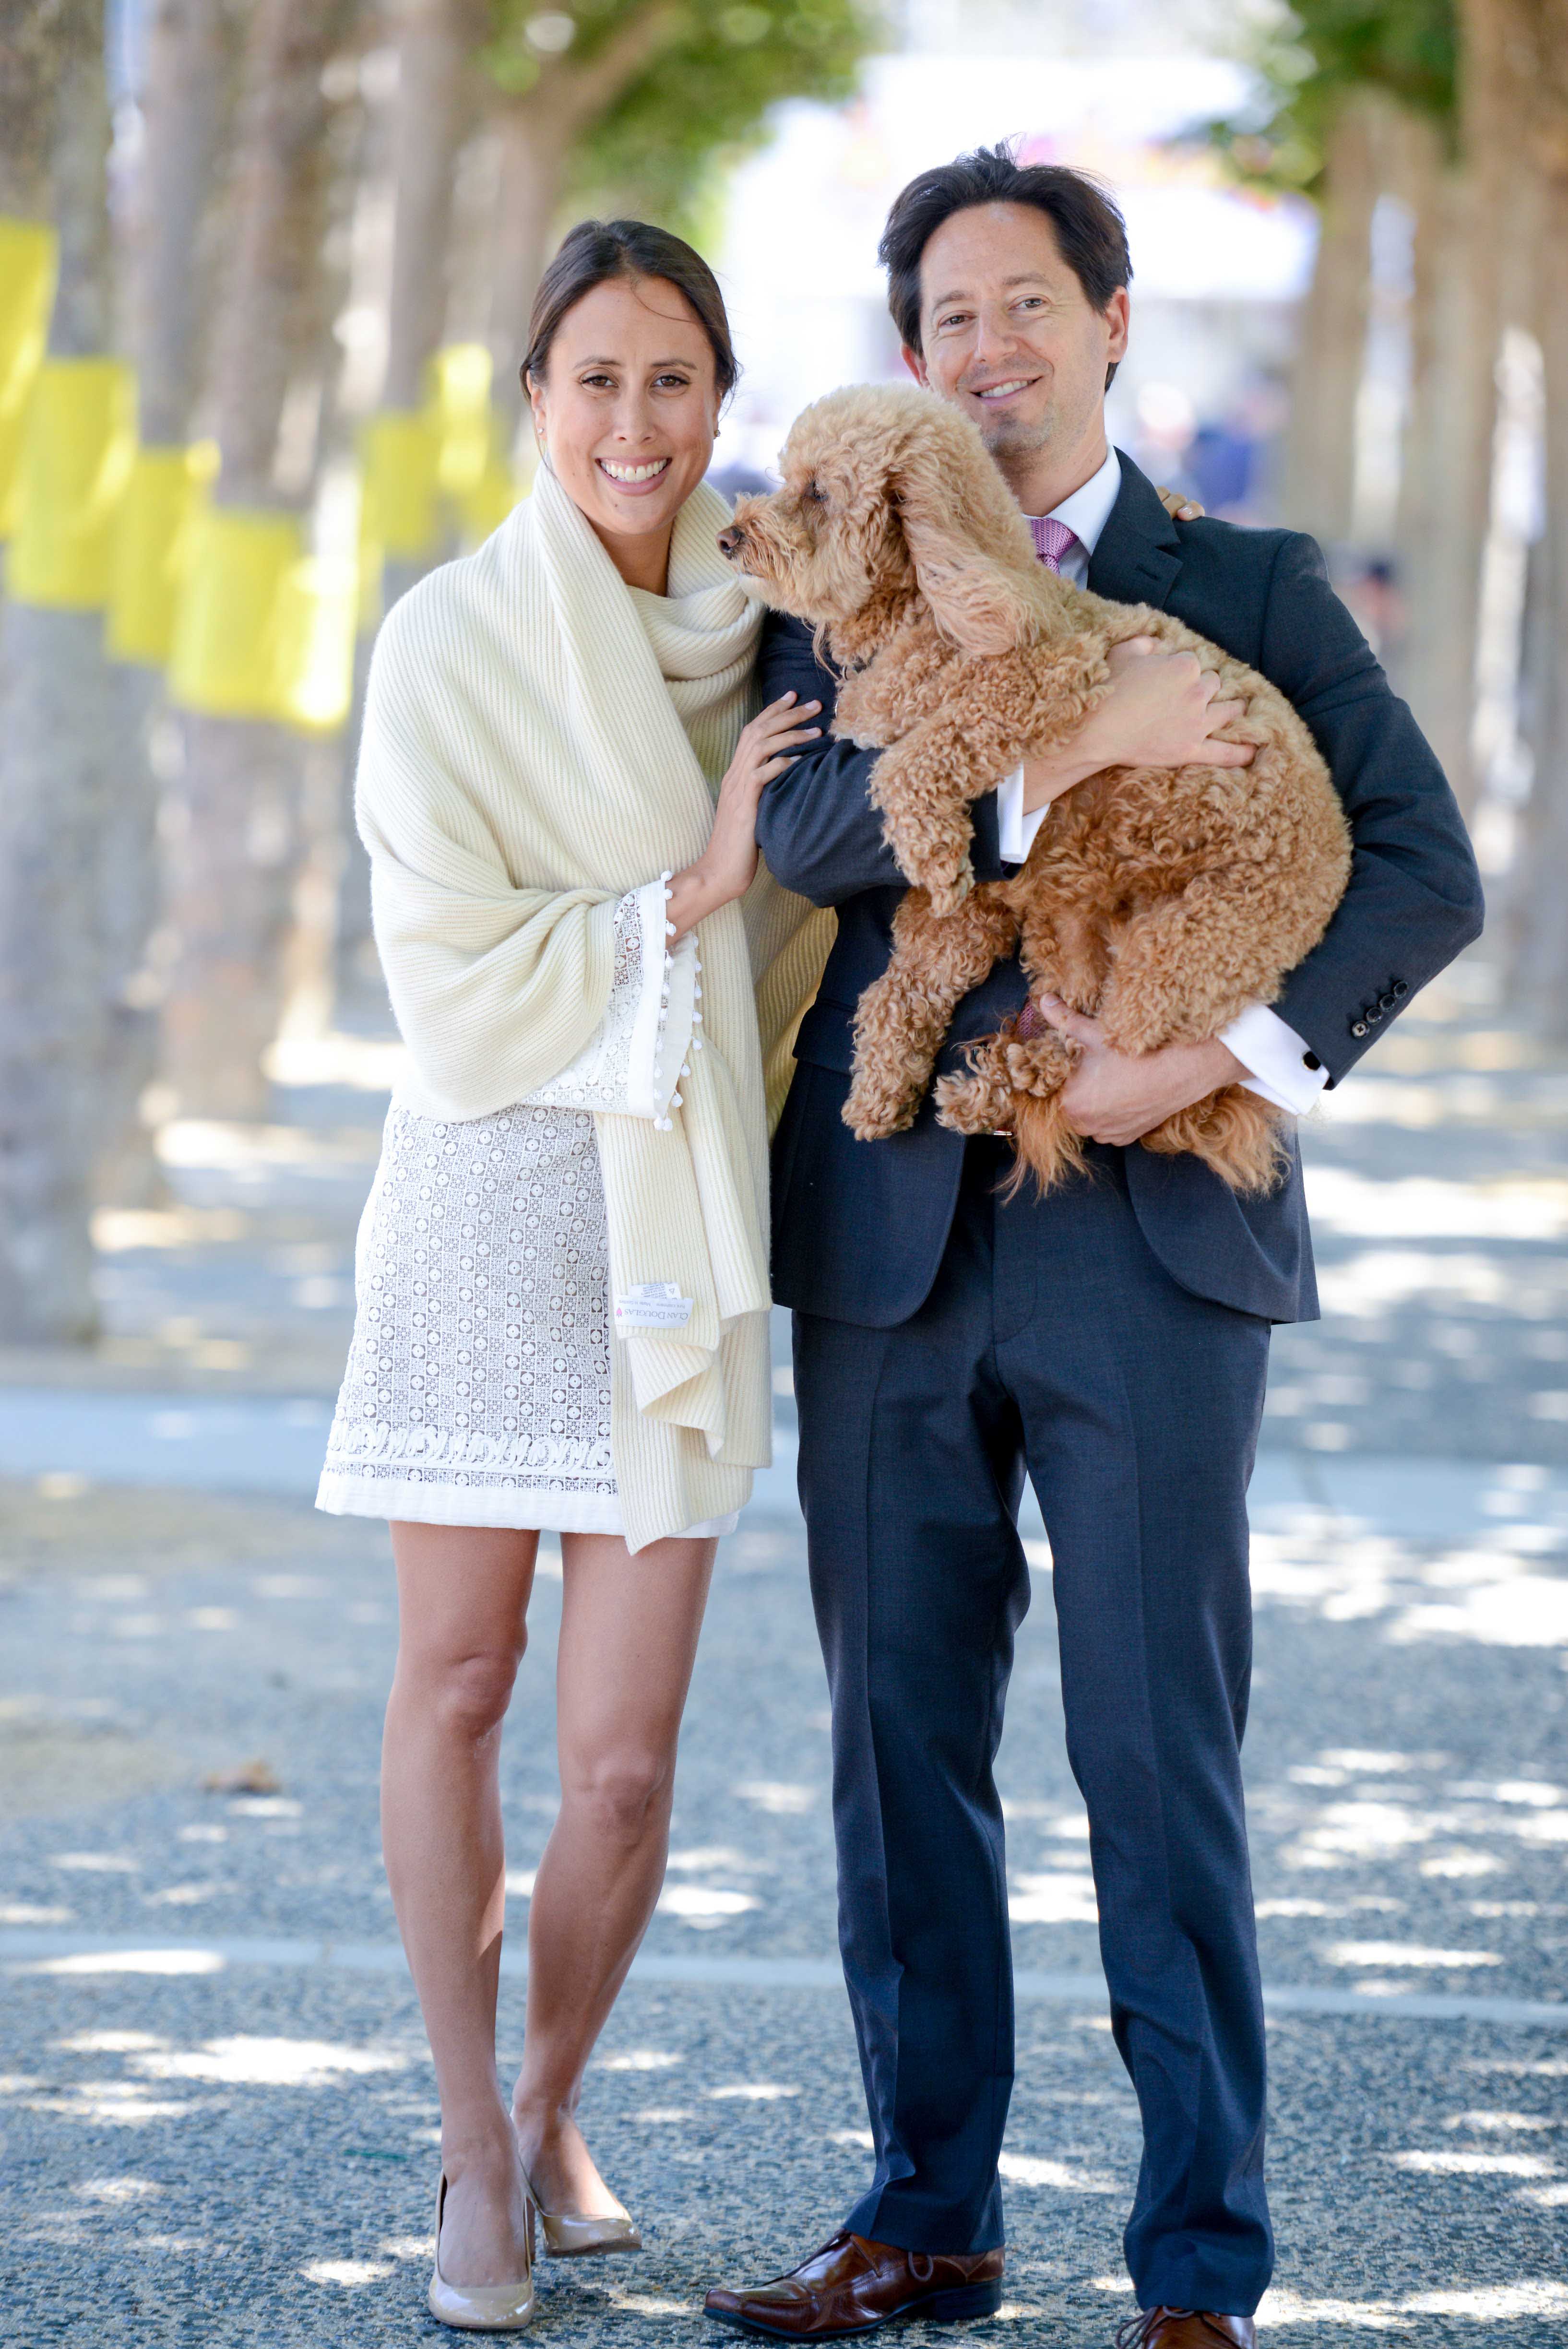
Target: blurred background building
x,y
266,267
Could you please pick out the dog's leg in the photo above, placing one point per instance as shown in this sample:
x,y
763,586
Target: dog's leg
x,y
1184,970
923,785
903,1017
994,712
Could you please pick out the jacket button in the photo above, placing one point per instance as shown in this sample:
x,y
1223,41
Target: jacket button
x,y
1401,990
1358,1027
1387,1003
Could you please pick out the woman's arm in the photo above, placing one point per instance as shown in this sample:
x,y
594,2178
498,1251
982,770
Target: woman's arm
x,y
728,865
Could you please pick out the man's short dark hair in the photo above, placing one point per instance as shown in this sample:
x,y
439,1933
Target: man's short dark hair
x,y
1091,234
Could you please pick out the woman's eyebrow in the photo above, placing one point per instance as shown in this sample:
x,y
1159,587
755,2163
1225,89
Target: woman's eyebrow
x,y
679,359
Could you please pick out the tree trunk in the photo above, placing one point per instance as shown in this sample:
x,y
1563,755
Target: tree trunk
x,y
1538,891
538,132
57,713
236,829
433,113
434,107
1331,351
185,102
1538,931
534,153
1467,269
29,42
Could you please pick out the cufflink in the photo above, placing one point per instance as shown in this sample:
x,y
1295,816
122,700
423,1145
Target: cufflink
x,y
1310,1060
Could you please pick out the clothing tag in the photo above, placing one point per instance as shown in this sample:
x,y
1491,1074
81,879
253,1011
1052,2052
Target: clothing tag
x,y
653,1305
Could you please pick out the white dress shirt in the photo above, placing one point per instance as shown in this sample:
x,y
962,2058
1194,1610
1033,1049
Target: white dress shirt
x,y
1278,1061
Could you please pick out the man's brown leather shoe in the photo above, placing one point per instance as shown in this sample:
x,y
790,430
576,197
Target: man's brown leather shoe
x,y
1185,2328
853,2285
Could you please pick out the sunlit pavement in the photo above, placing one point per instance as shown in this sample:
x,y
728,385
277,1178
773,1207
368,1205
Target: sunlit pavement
x,y
218,2114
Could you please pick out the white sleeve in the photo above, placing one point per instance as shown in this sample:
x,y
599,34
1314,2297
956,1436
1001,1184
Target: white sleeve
x,y
632,1064
1280,1066
1015,830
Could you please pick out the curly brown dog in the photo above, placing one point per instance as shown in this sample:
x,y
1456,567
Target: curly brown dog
x,y
1163,902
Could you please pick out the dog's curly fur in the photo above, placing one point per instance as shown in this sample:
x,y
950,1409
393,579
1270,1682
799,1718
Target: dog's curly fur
x,y
1162,902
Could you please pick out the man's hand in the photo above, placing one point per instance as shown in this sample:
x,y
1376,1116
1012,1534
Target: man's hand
x,y
1160,711
1119,1096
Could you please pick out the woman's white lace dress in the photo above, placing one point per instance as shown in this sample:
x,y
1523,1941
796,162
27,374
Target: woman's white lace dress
x,y
478,1385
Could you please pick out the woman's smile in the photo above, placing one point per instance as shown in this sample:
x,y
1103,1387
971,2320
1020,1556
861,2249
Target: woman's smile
x,y
634,478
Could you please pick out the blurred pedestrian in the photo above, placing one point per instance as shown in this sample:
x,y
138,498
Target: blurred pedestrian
x,y
558,786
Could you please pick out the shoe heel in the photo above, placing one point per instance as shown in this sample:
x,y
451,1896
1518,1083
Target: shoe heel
x,y
964,2299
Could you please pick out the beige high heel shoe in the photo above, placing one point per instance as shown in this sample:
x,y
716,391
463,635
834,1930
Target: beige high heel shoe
x,y
484,2307
572,2235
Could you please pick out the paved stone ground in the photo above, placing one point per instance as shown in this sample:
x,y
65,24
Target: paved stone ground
x,y
216,2106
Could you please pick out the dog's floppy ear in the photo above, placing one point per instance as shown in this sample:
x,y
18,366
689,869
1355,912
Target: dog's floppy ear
x,y
951,515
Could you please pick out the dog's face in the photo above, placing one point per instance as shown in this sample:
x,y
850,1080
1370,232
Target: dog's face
x,y
828,545
889,496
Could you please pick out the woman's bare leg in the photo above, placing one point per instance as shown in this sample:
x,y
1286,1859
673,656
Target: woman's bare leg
x,y
462,1601
628,1640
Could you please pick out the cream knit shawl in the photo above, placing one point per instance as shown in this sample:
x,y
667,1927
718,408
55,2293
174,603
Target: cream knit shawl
x,y
523,765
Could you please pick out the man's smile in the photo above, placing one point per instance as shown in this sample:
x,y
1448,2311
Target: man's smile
x,y
993,394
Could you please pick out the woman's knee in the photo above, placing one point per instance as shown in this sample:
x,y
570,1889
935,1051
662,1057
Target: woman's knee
x,y
620,1795
466,1694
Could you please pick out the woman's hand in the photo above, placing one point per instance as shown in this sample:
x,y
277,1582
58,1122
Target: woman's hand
x,y
728,865
1160,711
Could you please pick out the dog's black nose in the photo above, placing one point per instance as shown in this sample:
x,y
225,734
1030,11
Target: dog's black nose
x,y
731,540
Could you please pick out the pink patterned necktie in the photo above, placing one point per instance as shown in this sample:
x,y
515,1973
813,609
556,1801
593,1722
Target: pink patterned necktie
x,y
1052,539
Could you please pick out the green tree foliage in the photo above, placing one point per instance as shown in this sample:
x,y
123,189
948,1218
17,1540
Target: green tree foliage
x,y
703,99
1318,52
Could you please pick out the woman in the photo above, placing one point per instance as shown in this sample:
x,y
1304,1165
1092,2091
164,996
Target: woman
x,y
557,787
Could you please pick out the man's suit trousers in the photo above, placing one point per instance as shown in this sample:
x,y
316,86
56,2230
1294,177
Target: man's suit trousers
x,y
1052,1341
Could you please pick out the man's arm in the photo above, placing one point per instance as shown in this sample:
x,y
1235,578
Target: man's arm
x,y
816,827
1414,901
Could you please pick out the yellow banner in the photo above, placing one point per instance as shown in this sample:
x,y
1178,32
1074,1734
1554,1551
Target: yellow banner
x,y
264,629
28,250
76,452
486,505
153,541
459,414
401,515
427,475
316,643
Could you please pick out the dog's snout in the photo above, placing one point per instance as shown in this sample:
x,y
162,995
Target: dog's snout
x,y
731,540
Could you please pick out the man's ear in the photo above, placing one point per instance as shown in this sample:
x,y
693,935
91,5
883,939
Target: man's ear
x,y
916,362
980,603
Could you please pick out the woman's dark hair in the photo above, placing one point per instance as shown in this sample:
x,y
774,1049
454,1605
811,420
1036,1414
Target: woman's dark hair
x,y
1090,232
594,253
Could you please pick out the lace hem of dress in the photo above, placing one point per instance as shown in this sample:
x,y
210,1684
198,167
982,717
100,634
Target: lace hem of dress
x,y
376,1448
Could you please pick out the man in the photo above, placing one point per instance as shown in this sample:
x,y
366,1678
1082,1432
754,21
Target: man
x,y
1111,1340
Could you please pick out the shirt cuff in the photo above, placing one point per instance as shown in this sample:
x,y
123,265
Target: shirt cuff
x,y
1280,1064
663,1032
1015,830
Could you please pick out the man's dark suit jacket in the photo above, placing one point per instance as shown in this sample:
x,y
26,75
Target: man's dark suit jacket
x,y
859,1226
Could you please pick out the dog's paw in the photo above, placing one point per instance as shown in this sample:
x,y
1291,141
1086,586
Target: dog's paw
x,y
980,1099
873,1109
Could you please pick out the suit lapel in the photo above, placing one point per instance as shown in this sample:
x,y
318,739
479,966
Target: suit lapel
x,y
1138,558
